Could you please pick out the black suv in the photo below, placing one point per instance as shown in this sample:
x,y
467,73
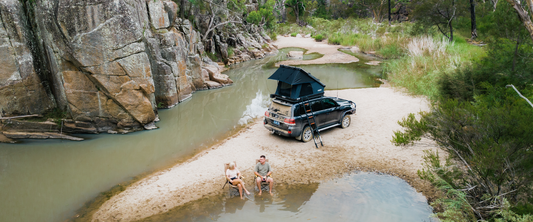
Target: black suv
x,y
291,120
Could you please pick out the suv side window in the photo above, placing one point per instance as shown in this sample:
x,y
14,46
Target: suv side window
x,y
328,103
316,105
299,110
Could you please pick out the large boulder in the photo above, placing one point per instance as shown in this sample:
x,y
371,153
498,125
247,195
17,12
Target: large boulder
x,y
98,59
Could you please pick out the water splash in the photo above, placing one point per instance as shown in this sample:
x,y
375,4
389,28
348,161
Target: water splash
x,y
257,108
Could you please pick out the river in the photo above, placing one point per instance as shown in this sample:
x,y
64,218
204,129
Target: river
x,y
48,180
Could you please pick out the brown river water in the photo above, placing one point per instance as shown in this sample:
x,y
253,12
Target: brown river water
x,y
48,180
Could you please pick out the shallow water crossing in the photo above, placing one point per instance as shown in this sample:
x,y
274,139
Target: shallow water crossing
x,y
356,197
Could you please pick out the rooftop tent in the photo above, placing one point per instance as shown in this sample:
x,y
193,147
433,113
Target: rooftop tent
x,y
295,84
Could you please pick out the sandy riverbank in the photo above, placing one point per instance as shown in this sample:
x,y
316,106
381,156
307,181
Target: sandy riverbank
x,y
365,145
331,52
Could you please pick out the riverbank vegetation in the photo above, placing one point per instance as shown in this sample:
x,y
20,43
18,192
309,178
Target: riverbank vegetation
x,y
465,62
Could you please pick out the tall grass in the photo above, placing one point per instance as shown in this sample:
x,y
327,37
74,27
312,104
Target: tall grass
x,y
426,61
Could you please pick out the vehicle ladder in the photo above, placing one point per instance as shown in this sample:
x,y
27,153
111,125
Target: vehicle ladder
x,y
312,123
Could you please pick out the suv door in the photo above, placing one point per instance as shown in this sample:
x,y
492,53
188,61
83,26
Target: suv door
x,y
331,111
319,112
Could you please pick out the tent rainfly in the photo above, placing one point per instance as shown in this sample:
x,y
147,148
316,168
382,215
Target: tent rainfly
x,y
295,84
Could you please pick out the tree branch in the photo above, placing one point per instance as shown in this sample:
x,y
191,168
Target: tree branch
x,y
523,15
214,27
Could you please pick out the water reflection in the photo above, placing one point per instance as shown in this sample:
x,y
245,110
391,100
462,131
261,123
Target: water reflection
x,y
356,197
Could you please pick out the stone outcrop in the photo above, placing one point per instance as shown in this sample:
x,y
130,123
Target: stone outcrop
x,y
21,89
111,63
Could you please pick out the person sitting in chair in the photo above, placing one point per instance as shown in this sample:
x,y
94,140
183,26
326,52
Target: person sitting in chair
x,y
262,173
233,175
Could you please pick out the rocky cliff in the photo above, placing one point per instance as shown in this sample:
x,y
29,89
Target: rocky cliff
x,y
109,64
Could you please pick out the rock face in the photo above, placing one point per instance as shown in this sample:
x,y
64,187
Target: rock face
x,y
109,63
20,85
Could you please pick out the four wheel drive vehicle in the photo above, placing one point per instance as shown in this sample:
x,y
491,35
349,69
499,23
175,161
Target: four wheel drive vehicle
x,y
292,120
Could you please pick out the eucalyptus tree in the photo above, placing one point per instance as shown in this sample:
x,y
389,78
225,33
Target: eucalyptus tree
x,y
439,13
298,8
473,18
523,14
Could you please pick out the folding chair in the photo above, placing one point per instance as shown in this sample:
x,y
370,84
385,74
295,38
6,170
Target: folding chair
x,y
226,167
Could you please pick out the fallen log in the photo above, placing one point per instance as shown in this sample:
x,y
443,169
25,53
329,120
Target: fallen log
x,y
37,135
20,117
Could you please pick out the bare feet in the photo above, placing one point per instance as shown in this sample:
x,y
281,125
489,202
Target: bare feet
x,y
270,193
260,192
247,193
242,198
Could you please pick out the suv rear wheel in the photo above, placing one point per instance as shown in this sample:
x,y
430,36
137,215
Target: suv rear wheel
x,y
345,122
307,134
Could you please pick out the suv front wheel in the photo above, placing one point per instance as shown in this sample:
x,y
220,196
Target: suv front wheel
x,y
307,134
345,122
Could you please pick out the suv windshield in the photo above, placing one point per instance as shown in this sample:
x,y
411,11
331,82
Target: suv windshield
x,y
328,103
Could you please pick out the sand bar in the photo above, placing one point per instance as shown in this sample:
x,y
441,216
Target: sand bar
x,y
331,52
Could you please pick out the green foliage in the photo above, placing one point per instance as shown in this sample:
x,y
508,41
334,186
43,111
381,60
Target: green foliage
x,y
319,37
230,52
505,64
506,214
56,114
212,56
427,62
437,13
390,51
237,5
254,17
524,208
453,202
263,16
413,130
294,34
489,138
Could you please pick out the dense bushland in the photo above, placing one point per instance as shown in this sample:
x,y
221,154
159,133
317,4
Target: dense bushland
x,y
483,125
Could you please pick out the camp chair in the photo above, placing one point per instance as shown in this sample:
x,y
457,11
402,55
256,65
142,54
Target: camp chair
x,y
264,184
226,167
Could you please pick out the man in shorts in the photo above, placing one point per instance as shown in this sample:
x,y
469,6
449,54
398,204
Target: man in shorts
x,y
262,172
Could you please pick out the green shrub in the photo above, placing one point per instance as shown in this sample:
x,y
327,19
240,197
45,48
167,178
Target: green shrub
x,y
413,131
294,34
489,138
390,51
318,37
230,52
254,17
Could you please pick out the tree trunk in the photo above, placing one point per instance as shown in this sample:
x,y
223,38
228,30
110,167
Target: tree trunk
x,y
451,21
297,12
515,55
182,9
523,15
473,18
451,31
389,12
